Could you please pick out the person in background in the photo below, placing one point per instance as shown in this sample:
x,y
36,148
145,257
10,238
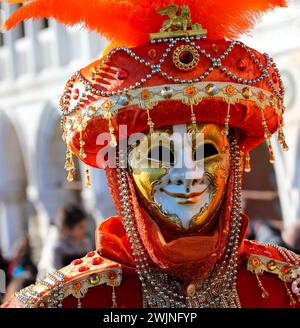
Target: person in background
x,y
21,268
273,232
67,240
3,275
291,236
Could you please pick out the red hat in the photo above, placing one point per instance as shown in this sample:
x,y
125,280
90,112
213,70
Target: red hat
x,y
168,66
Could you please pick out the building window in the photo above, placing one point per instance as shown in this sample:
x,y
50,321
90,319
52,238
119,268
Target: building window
x,y
1,22
20,30
44,23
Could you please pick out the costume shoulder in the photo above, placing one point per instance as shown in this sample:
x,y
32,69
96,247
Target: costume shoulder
x,y
274,265
75,279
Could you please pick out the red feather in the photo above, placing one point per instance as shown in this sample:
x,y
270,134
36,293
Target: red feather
x,y
129,22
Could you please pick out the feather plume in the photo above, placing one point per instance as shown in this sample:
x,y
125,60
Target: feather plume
x,y
129,22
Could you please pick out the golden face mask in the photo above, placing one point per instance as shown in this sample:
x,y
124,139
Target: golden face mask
x,y
181,175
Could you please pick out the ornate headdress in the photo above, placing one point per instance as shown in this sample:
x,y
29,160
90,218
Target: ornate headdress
x,y
163,71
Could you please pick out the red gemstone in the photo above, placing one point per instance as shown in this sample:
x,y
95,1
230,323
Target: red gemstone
x,y
285,269
112,275
262,96
122,75
77,262
152,53
274,78
241,64
214,48
83,268
186,57
90,254
97,261
76,94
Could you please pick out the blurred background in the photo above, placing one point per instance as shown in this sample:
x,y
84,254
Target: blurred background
x,y
36,202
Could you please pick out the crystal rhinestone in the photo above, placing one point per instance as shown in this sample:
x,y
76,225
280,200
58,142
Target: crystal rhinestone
x,y
211,89
167,92
76,94
124,100
191,290
241,65
90,254
83,268
77,262
152,53
255,262
186,57
122,74
247,93
271,265
97,261
94,280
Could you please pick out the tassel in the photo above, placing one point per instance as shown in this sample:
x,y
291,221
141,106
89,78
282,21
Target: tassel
x,y
268,136
271,151
264,293
281,139
225,132
193,120
113,140
87,178
292,300
280,135
114,298
150,122
247,163
82,154
69,165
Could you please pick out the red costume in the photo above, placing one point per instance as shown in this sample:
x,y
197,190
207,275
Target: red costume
x,y
187,73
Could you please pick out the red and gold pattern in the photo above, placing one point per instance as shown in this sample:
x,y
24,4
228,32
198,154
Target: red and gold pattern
x,y
94,288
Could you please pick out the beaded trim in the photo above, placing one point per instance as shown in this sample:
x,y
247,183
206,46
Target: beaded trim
x,y
259,264
75,279
159,289
216,63
147,98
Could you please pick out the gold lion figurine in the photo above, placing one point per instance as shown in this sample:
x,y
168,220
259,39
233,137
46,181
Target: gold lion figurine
x,y
182,22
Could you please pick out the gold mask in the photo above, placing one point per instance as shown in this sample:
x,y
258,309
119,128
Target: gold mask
x,y
181,175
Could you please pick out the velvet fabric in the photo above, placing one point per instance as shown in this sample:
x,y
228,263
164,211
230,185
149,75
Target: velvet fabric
x,y
246,115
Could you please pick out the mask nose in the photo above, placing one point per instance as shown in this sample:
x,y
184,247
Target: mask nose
x,y
186,177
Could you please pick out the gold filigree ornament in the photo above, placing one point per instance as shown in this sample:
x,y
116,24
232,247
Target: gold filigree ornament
x,y
186,57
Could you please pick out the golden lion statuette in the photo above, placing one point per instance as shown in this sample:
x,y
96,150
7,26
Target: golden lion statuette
x,y
177,26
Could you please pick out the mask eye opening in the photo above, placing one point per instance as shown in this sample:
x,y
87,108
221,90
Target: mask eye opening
x,y
204,151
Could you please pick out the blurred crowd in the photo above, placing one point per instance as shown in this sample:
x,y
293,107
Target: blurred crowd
x,y
68,239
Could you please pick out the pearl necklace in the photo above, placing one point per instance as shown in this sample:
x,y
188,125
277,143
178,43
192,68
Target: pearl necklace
x,y
161,290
